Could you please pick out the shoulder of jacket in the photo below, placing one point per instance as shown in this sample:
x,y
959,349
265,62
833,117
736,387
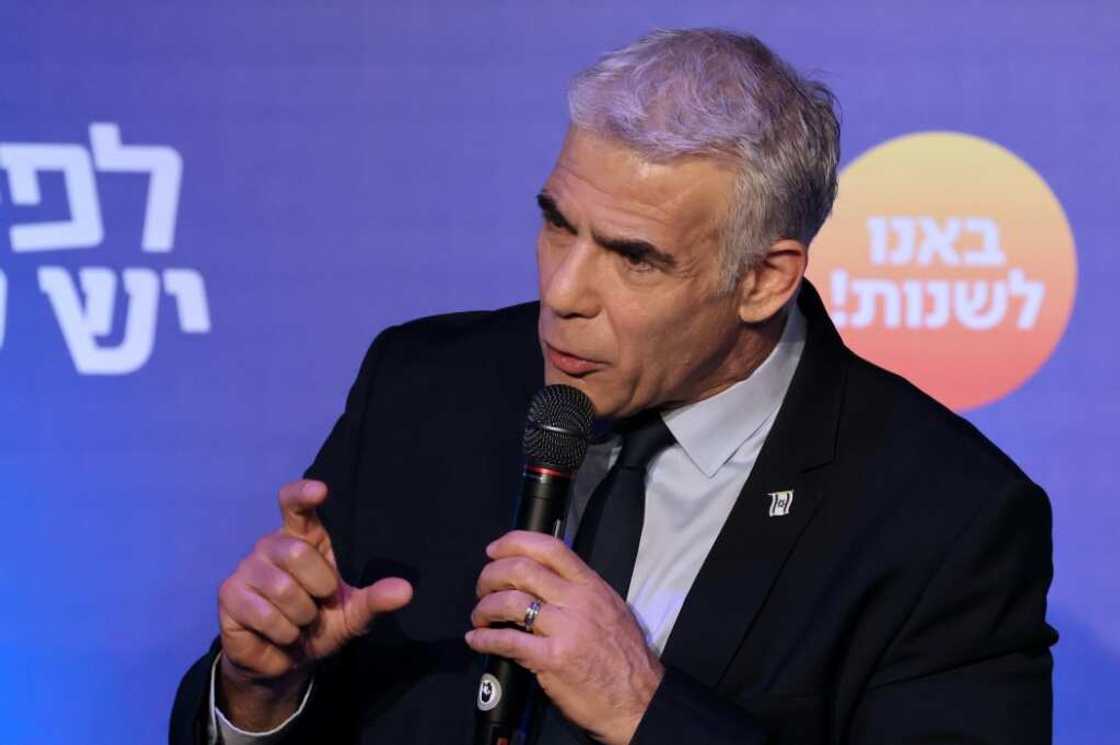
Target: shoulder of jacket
x,y
911,420
454,353
470,327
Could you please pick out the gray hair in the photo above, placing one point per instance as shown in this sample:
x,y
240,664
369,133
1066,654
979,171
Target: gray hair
x,y
722,94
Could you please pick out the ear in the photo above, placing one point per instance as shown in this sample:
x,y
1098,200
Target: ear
x,y
767,287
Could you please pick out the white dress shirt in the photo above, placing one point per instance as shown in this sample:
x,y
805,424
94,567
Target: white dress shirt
x,y
691,487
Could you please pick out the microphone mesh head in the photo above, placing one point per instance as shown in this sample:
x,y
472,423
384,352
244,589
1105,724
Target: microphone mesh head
x,y
558,427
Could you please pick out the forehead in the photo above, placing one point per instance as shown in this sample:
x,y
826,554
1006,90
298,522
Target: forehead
x,y
616,189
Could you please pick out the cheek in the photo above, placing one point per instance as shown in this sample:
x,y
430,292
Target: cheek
x,y
647,340
661,349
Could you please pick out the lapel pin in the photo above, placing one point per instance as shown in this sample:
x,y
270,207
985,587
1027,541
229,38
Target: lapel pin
x,y
780,502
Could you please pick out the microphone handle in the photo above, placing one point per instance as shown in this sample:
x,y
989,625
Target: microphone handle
x,y
504,688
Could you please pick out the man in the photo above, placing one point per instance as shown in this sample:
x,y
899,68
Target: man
x,y
825,555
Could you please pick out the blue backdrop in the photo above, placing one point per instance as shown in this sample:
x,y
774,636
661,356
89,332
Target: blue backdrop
x,y
261,186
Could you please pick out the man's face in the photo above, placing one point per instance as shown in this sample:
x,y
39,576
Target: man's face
x,y
628,263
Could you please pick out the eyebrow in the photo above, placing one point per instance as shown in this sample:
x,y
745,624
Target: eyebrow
x,y
552,212
629,247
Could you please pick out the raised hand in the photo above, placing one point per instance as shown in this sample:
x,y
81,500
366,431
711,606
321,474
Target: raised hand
x,y
285,607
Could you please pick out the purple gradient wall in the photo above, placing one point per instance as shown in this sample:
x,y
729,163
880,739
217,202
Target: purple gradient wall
x,y
346,166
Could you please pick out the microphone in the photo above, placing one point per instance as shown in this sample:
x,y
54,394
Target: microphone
x,y
554,442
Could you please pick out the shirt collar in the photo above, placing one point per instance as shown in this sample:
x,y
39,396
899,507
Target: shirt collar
x,y
712,430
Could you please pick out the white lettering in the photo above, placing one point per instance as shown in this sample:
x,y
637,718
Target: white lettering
x,y
165,169
977,305
81,325
23,163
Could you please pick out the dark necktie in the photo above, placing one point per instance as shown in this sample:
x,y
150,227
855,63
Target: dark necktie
x,y
609,533
611,526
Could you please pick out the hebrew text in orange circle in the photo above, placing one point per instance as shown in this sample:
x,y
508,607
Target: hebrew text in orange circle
x,y
948,260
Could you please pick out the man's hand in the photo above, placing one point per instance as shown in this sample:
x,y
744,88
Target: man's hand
x,y
586,647
285,607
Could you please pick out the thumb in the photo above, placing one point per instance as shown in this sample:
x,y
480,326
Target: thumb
x,y
362,604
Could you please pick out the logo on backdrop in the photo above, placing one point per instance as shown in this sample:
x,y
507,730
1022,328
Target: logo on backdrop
x,y
948,260
83,302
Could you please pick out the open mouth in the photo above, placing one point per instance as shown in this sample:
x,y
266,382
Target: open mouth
x,y
571,364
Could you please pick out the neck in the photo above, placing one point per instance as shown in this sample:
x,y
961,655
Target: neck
x,y
750,349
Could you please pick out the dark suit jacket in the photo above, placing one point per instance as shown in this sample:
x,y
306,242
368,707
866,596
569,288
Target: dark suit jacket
x,y
901,600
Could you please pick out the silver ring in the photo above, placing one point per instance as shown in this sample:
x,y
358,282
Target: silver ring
x,y
531,614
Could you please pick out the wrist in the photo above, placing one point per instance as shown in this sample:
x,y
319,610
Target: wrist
x,y
257,704
645,689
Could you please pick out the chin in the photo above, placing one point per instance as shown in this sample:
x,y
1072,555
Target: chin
x,y
599,400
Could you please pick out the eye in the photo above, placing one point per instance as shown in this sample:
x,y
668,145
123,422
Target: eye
x,y
555,221
637,262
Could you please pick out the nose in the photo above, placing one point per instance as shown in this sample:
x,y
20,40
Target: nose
x,y
569,280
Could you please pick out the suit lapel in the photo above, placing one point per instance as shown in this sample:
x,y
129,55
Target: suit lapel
x,y
753,545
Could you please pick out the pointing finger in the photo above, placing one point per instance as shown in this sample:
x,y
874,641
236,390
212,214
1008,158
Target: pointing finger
x,y
298,501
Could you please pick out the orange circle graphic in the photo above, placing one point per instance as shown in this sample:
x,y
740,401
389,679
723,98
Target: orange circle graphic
x,y
950,261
